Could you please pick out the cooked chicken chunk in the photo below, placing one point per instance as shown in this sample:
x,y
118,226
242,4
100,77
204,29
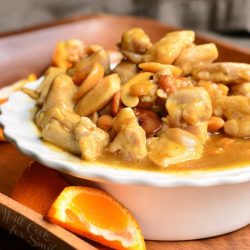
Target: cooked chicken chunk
x,y
60,93
135,40
57,134
189,106
193,55
170,46
238,127
67,52
223,72
173,146
49,76
190,109
66,118
241,89
232,107
130,141
213,89
91,139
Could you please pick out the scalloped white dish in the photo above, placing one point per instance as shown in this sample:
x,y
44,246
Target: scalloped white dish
x,y
209,201
19,128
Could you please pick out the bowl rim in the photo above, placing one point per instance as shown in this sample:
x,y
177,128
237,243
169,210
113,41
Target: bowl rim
x,y
63,161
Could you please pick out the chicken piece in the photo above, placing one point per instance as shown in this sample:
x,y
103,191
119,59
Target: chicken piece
x,y
57,134
193,55
66,118
223,72
125,71
232,107
49,76
135,40
189,106
213,89
173,146
99,96
238,127
190,109
91,139
125,117
170,46
241,89
131,138
60,93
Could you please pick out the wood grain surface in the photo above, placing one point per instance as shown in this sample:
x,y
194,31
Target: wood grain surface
x,y
29,51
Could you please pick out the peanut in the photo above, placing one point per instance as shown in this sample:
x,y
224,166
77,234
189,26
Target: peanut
x,y
94,76
143,88
99,96
105,122
155,67
148,120
128,99
116,103
215,123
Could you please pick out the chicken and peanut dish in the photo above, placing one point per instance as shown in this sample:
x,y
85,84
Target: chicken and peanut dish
x,y
164,103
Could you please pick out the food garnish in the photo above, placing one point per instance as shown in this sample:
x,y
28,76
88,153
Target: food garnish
x,y
94,214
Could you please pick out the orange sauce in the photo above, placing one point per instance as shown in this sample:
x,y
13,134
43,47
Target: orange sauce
x,y
215,157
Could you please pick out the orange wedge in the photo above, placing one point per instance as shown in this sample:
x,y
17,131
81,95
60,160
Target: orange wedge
x,y
96,215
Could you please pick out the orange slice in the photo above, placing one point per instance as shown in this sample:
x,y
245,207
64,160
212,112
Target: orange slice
x,y
96,215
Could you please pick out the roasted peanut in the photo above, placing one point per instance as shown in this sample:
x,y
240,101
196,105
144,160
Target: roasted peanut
x,y
99,96
79,77
94,76
116,103
86,64
105,122
155,67
143,88
128,99
215,123
149,121
171,84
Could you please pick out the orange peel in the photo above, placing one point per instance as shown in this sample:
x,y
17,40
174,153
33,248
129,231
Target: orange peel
x,y
94,214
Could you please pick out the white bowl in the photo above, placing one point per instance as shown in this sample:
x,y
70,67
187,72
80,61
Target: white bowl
x,y
167,206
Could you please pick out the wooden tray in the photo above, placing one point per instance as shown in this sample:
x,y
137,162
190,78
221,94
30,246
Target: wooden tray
x,y
29,51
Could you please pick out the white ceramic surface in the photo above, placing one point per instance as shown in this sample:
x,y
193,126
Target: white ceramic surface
x,y
167,206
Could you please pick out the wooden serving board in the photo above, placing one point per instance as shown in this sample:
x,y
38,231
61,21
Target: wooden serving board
x,y
29,51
